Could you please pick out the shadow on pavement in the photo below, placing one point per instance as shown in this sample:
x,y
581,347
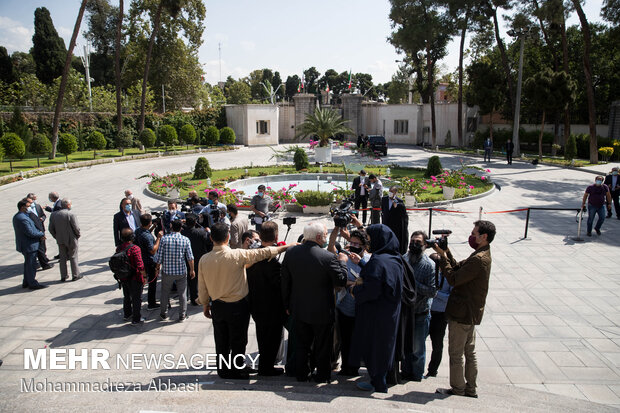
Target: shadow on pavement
x,y
87,292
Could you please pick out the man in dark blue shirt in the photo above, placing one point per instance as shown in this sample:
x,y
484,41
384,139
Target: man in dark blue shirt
x,y
148,246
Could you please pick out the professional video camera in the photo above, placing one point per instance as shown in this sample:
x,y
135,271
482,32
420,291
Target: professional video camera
x,y
441,242
342,214
288,221
156,222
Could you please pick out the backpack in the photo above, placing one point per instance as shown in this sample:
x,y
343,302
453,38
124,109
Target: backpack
x,y
120,265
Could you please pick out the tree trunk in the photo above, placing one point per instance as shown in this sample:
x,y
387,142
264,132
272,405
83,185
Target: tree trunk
x,y
147,64
460,99
117,67
542,129
502,49
431,94
63,80
491,126
38,163
587,70
565,67
11,165
95,154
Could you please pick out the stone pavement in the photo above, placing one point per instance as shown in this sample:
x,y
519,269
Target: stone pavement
x,y
549,340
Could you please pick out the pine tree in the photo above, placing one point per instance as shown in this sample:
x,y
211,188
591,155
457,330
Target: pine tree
x,y
7,73
48,48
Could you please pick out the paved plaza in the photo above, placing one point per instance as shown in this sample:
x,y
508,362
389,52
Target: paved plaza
x,y
549,339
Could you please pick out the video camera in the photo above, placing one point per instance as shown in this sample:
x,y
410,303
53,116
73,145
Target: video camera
x,y
288,221
156,222
342,214
441,242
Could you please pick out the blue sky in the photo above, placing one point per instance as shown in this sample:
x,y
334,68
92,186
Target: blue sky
x,y
277,34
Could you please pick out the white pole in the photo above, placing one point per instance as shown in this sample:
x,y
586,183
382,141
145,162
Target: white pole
x,y
86,63
163,97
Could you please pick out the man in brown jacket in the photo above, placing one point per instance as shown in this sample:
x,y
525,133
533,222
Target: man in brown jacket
x,y
470,279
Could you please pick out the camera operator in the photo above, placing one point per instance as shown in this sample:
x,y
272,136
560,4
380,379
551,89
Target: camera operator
x,y
260,206
424,275
171,214
238,225
358,249
470,279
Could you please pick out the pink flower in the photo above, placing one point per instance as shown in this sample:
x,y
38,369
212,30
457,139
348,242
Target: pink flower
x,y
443,181
148,183
233,190
335,189
199,182
471,187
433,185
483,178
268,187
303,206
462,177
424,187
301,190
488,170
428,182
293,200
412,180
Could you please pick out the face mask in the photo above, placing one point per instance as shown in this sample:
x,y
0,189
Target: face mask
x,y
128,208
415,248
130,197
324,245
614,173
210,201
392,195
472,242
261,194
356,250
598,182
254,245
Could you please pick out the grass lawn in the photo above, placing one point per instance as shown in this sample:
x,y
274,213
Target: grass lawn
x,y
528,156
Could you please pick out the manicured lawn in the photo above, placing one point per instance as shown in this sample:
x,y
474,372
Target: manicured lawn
x,y
529,156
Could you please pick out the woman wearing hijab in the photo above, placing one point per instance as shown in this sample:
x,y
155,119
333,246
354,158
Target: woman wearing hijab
x,y
377,295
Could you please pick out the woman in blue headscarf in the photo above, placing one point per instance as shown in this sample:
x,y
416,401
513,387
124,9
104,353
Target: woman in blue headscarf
x,y
377,295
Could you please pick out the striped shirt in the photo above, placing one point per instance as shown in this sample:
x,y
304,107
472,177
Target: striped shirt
x,y
173,253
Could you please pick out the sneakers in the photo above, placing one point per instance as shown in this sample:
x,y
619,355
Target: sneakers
x,y
450,392
142,320
182,317
365,386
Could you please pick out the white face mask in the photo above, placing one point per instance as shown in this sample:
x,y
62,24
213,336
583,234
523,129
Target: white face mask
x,y
129,196
392,195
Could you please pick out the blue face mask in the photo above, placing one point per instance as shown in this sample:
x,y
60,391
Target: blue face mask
x,y
210,202
128,207
613,173
261,194
598,182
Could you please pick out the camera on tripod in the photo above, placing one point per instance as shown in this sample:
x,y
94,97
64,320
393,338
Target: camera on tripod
x,y
342,214
288,221
440,242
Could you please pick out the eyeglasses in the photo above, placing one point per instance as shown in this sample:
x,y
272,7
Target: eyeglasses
x,y
355,244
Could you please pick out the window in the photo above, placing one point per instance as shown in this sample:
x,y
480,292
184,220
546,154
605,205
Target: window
x,y
401,127
262,127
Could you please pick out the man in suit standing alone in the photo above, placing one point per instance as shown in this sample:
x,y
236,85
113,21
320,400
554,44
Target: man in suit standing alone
x,y
64,227
361,188
27,238
35,212
127,217
309,276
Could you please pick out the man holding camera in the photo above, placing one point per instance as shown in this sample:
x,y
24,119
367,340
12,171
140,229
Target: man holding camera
x,y
361,188
260,207
470,279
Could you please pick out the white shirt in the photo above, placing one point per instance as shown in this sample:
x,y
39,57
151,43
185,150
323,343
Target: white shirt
x,y
131,221
362,189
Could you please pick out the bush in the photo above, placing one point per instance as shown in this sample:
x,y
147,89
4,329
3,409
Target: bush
x,y
96,142
168,136
314,198
300,158
570,152
448,142
67,144
1,152
202,170
40,145
606,152
13,146
147,138
433,168
187,134
124,139
212,136
227,136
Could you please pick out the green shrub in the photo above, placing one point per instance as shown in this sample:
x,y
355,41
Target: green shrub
x,y
96,142
606,152
448,141
168,136
212,136
433,168
13,145
570,151
147,138
40,145
1,152
67,144
202,170
314,198
187,134
300,158
124,139
227,136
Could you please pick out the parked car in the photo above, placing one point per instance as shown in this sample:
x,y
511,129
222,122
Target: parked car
x,y
377,143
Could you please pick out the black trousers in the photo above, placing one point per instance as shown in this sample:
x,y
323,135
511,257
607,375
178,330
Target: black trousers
x,y
509,157
345,326
42,254
362,201
192,283
132,298
268,336
317,338
437,331
615,197
152,284
230,330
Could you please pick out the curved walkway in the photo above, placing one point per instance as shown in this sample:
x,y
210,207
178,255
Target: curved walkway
x,y
552,321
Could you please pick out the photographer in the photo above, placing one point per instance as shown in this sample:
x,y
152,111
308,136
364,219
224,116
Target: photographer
x,y
470,279
260,207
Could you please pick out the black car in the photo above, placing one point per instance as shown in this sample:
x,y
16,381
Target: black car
x,y
377,143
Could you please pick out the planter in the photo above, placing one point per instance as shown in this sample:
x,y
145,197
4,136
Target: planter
x,y
448,192
323,154
174,193
323,209
410,200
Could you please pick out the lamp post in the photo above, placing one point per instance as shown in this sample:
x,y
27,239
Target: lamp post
x,y
520,35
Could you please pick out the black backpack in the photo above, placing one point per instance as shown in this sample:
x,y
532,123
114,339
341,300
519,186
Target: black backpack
x,y
120,265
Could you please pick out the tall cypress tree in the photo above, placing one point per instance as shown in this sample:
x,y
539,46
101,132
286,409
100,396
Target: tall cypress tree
x,y
48,48
7,73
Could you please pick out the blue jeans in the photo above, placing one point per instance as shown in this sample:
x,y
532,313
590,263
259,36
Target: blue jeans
x,y
592,211
414,362
30,268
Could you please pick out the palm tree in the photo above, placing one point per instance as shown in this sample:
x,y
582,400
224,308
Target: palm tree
x,y
324,124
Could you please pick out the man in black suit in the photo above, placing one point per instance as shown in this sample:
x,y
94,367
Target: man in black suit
x,y
36,214
125,218
201,244
510,147
55,200
394,215
613,183
266,307
361,188
309,275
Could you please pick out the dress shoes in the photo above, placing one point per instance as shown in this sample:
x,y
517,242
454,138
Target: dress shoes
x,y
450,392
182,318
152,306
57,257
79,277
47,267
194,303
274,371
24,285
38,287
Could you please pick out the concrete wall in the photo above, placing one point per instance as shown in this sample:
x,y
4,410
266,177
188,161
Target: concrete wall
x,y
242,119
387,114
286,127
446,119
235,119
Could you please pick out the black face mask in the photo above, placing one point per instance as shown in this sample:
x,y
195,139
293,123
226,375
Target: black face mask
x,y
357,250
415,248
